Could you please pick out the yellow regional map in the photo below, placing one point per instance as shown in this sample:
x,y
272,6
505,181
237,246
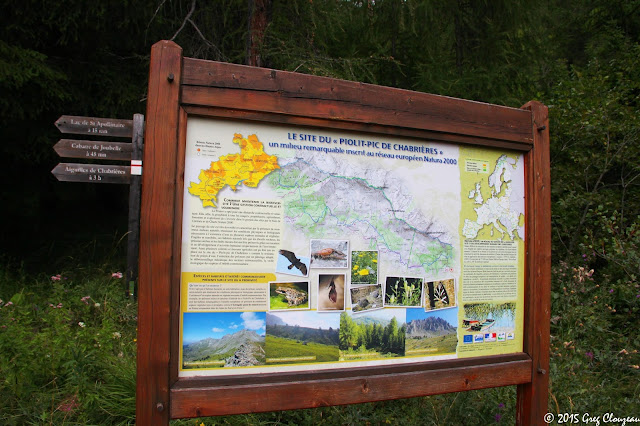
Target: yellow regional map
x,y
247,168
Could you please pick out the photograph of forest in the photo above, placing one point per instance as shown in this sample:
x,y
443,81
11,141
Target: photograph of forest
x,y
372,335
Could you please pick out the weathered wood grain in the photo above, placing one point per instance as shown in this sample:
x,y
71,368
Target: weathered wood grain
x,y
135,189
92,173
193,398
532,397
93,150
157,234
95,126
290,93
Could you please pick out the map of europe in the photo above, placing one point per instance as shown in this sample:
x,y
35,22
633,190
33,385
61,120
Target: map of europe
x,y
502,211
247,168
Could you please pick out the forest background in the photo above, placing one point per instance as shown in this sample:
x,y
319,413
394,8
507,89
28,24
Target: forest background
x,y
67,336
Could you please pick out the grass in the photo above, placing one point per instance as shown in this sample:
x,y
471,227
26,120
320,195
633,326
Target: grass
x,y
431,346
66,358
280,347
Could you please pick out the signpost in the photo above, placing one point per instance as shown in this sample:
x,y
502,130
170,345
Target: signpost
x,y
92,173
301,237
95,126
93,150
107,173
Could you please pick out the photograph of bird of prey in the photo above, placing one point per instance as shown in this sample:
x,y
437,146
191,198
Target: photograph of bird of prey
x,y
292,264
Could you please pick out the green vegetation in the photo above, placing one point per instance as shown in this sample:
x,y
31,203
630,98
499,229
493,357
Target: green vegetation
x,y
438,345
280,347
582,59
278,298
371,336
401,291
67,348
304,334
497,311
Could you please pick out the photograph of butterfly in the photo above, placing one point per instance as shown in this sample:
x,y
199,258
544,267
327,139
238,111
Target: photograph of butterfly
x,y
440,294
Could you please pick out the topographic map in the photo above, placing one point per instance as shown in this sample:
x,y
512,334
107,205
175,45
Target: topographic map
x,y
501,213
378,204
324,199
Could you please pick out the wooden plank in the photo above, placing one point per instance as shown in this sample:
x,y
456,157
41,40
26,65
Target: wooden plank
x,y
371,128
95,126
343,111
339,99
177,249
156,234
191,398
533,397
92,173
133,234
93,150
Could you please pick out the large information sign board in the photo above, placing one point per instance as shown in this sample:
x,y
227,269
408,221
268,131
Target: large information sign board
x,y
331,260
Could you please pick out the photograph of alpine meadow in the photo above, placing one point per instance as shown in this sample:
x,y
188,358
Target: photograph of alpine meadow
x,y
338,212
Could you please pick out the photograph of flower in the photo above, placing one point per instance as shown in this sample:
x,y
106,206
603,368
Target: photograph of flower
x,y
364,267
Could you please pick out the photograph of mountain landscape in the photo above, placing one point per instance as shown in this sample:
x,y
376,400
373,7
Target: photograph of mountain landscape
x,y
301,337
223,339
372,335
431,333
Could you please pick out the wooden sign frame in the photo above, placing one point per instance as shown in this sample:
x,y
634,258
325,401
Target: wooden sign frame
x,y
182,87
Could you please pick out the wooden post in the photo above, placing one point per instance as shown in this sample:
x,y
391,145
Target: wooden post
x,y
156,234
133,240
533,397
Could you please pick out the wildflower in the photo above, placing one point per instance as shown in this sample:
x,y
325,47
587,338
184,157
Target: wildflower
x,y
57,277
116,335
9,303
589,355
498,417
501,405
81,324
363,272
116,275
355,267
635,366
611,291
624,352
85,299
69,405
97,305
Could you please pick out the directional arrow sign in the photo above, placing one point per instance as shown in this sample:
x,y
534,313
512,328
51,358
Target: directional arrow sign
x,y
95,126
93,149
92,173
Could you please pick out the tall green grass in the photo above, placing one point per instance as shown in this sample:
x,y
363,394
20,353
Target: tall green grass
x,y
68,347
